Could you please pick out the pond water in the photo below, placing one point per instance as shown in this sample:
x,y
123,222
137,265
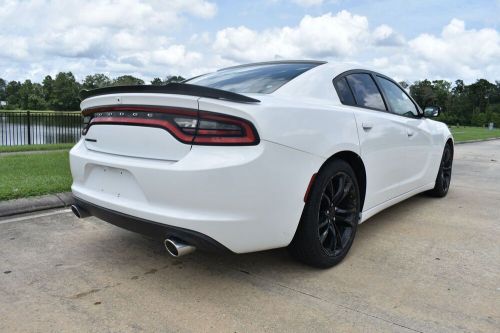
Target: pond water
x,y
43,129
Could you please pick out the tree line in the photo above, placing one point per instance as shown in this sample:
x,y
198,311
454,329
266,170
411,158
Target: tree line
x,y
62,92
475,104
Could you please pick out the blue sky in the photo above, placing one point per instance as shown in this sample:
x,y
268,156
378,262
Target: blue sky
x,y
408,17
409,40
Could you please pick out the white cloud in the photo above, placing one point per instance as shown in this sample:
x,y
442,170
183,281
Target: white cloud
x,y
14,49
384,35
321,36
97,34
457,52
155,38
174,55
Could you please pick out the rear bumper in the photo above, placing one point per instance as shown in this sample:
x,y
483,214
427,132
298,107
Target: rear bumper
x,y
150,228
247,198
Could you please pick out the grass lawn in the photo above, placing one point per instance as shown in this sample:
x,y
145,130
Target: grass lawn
x,y
473,133
35,174
6,149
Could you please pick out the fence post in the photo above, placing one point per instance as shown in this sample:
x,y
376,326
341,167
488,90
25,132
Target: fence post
x,y
28,123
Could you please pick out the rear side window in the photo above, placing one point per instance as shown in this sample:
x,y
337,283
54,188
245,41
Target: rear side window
x,y
344,92
260,78
365,91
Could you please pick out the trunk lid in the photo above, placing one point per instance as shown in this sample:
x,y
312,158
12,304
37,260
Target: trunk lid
x,y
161,122
136,124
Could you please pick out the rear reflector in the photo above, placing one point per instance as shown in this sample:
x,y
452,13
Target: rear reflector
x,y
311,182
186,125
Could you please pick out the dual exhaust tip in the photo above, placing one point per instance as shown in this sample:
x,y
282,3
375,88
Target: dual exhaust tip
x,y
174,247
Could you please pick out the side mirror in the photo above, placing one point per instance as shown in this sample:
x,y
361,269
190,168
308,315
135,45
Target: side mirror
x,y
432,111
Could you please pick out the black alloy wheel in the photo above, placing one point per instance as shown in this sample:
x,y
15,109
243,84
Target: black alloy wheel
x,y
330,217
446,165
443,178
337,214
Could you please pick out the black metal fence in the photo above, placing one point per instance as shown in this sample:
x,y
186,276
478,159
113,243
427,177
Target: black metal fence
x,y
27,128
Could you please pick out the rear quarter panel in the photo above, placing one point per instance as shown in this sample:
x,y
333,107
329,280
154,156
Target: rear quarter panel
x,y
314,126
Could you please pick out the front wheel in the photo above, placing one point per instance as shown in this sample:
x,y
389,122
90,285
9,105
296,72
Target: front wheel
x,y
443,178
330,217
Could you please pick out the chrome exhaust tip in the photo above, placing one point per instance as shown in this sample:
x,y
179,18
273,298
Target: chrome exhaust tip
x,y
177,248
79,212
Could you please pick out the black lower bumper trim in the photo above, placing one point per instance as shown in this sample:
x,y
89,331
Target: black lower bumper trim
x,y
152,229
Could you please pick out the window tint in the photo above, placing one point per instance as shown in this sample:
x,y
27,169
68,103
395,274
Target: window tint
x,y
365,91
398,99
264,78
344,92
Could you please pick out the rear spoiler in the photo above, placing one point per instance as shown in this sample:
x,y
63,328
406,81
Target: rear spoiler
x,y
171,88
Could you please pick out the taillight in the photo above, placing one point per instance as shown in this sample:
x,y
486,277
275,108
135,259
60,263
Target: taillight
x,y
186,125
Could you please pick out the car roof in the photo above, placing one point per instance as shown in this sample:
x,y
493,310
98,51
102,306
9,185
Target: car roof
x,y
317,83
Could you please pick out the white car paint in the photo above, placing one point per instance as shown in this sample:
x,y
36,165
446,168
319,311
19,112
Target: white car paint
x,y
250,198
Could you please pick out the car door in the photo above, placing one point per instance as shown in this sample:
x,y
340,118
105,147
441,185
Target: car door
x,y
418,141
382,137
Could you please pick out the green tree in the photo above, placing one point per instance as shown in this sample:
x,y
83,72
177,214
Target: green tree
x,y
174,79
48,91
404,84
36,100
127,80
157,82
3,86
12,92
423,93
442,90
25,91
66,92
96,81
479,93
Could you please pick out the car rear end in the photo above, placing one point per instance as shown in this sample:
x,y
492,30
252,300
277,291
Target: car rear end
x,y
188,165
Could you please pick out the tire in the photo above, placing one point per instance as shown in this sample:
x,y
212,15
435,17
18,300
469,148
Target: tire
x,y
330,217
443,178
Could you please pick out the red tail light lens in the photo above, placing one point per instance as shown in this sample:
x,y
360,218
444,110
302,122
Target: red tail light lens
x,y
214,128
187,126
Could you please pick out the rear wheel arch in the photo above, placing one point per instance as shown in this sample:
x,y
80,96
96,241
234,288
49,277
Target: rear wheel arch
x,y
356,163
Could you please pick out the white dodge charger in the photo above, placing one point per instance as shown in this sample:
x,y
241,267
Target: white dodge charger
x,y
256,157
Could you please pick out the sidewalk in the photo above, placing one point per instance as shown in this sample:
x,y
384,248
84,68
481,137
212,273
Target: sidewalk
x,y
33,204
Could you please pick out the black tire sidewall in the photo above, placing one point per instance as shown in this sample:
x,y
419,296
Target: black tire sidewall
x,y
438,190
306,236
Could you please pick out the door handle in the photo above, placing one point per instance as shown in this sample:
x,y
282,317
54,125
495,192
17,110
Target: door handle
x,y
409,133
367,126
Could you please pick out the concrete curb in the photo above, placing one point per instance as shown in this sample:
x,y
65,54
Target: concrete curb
x,y
472,141
28,205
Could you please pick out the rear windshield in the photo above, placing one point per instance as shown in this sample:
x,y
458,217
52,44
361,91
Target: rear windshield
x,y
263,78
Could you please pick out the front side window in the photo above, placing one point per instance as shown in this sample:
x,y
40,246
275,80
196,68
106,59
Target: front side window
x,y
365,91
400,102
259,78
